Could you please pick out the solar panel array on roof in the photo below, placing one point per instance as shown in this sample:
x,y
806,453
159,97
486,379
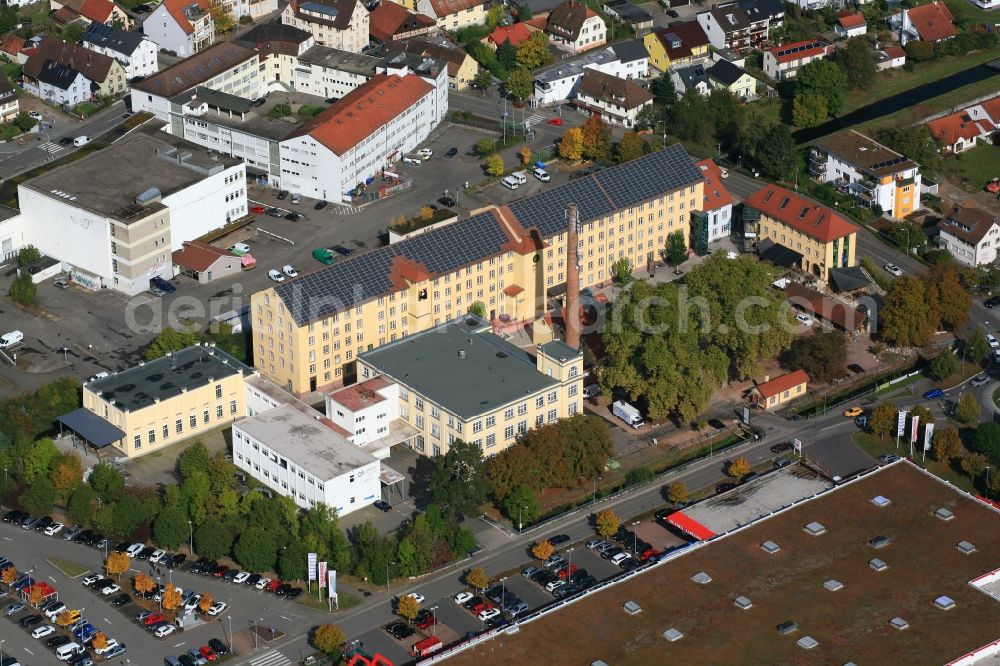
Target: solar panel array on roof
x,y
456,245
889,163
797,49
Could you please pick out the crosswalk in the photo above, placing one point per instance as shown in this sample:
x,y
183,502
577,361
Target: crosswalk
x,y
272,658
51,148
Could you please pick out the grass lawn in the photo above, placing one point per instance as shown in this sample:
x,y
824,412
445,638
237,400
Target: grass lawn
x,y
875,447
346,599
972,169
8,132
935,104
965,13
71,569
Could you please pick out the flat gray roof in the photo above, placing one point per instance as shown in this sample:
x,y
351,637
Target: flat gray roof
x,y
166,377
559,350
565,69
255,120
489,373
108,181
305,441
345,61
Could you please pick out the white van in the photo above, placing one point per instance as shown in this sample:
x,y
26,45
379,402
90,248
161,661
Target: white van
x,y
520,177
541,174
81,141
510,182
10,339
66,652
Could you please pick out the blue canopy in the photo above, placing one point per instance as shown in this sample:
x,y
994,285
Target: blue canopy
x,y
92,427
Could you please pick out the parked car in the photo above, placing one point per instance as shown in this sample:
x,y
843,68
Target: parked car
x,y
462,597
893,269
53,529
241,577
448,202
724,487
275,276
218,646
782,447
979,380
121,600
282,194
320,205
164,630
451,152
382,505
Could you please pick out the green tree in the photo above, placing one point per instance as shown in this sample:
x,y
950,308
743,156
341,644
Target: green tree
x,y
676,251
631,146
571,144
170,529
106,481
520,505
222,17
824,79
485,146
664,92
507,55
919,51
170,340
533,52
494,165
524,13
857,63
822,355
596,138
293,560
127,514
623,271
196,491
372,552
483,79
36,459
776,152
72,33
520,83
690,119
28,255
329,638
952,301
968,409
478,308
213,539
39,497
987,441
904,316
946,445
943,365
256,549
23,290
195,458
884,420
974,464
494,16
976,346
809,110
458,483
81,504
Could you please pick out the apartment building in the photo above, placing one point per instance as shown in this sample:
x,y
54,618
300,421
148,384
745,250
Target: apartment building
x,y
575,27
9,107
559,82
875,174
783,62
158,403
58,84
105,74
971,234
390,22
309,331
615,100
450,14
677,45
332,73
280,47
459,380
799,232
182,26
462,68
134,51
341,24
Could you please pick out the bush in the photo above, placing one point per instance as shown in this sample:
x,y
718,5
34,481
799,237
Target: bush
x,y
23,290
920,51
246,19
638,475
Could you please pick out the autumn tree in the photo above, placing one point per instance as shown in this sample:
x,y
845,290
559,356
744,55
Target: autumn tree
x,y
809,110
171,597
607,522
974,464
118,563
143,584
677,492
35,595
8,575
542,550
822,355
408,607
884,420
477,578
494,166
631,146
64,618
738,468
533,52
571,145
525,153
328,637
205,603
968,409
66,473
596,138
99,641
493,18
223,17
946,444
904,316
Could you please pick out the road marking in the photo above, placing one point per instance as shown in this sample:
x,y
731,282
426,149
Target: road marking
x,y
272,658
29,652
286,619
8,538
107,620
180,644
836,425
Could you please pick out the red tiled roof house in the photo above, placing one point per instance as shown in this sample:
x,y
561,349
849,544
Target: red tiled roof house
x,y
775,392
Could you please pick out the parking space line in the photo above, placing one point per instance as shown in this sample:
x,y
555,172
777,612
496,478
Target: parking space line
x,y
181,643
107,620
52,579
29,652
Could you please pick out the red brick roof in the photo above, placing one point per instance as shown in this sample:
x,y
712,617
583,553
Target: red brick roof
x,y
516,33
798,50
895,51
389,19
12,44
716,196
932,22
801,213
198,256
444,8
992,107
779,385
852,21
95,10
361,395
365,109
949,129
177,7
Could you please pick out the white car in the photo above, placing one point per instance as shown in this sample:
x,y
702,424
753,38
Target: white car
x,y
262,583
425,153
275,276
10,339
111,589
90,578
893,269
53,529
192,602
165,631
157,556
555,585
462,597
43,631
134,549
112,644
34,115
288,270
541,174
217,607
417,596
980,380
994,343
241,577
804,319
488,614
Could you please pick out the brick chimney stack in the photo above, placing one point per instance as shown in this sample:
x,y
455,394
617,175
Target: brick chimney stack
x,y
572,278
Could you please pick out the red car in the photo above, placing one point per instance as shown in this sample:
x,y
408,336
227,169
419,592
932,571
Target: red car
x,y
479,608
273,585
153,619
566,572
256,210
220,571
425,623
652,552
208,653
555,121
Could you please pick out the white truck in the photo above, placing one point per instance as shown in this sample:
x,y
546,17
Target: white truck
x,y
627,413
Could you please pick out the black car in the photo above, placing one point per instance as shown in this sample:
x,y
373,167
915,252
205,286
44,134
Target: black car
x,y
451,152
320,205
44,521
259,101
66,141
93,539
282,194
204,566
57,641
724,487
122,547
343,251
273,212
176,560
578,575
253,579
382,505
293,217
557,539
750,477
294,593
494,622
992,302
672,13
282,590
145,553
782,447
30,620
218,647
855,368
121,600
101,583
230,575
187,660
447,201
472,603
399,630
14,516
83,536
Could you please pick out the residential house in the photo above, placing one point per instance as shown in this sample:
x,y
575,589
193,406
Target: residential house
x,y
11,47
575,27
516,34
340,24
962,130
851,25
929,23
280,47
875,174
559,82
783,62
453,14
724,74
727,26
390,22
678,45
58,84
9,107
887,57
255,9
182,26
537,9
775,392
462,68
693,77
615,100
764,15
132,49
206,263
106,75
629,12
970,234
714,220
85,11
813,237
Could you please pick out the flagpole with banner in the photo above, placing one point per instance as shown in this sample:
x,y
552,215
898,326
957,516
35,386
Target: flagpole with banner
x,y
311,570
900,426
331,578
320,577
914,431
928,432
797,447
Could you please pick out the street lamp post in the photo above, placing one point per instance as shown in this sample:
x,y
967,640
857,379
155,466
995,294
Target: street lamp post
x,y
387,575
2,641
191,531
520,525
230,638
596,479
434,620
634,537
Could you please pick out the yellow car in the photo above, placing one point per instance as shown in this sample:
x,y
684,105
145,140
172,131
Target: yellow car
x,y
854,411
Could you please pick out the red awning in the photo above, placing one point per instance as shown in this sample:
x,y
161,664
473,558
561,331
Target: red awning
x,y
690,526
513,290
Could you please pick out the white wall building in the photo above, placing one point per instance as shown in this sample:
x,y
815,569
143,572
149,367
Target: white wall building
x,y
783,62
971,234
113,217
365,410
59,85
624,60
307,459
717,207
341,24
134,51
182,26
327,72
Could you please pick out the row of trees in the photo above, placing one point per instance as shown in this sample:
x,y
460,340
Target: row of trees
x,y
917,306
